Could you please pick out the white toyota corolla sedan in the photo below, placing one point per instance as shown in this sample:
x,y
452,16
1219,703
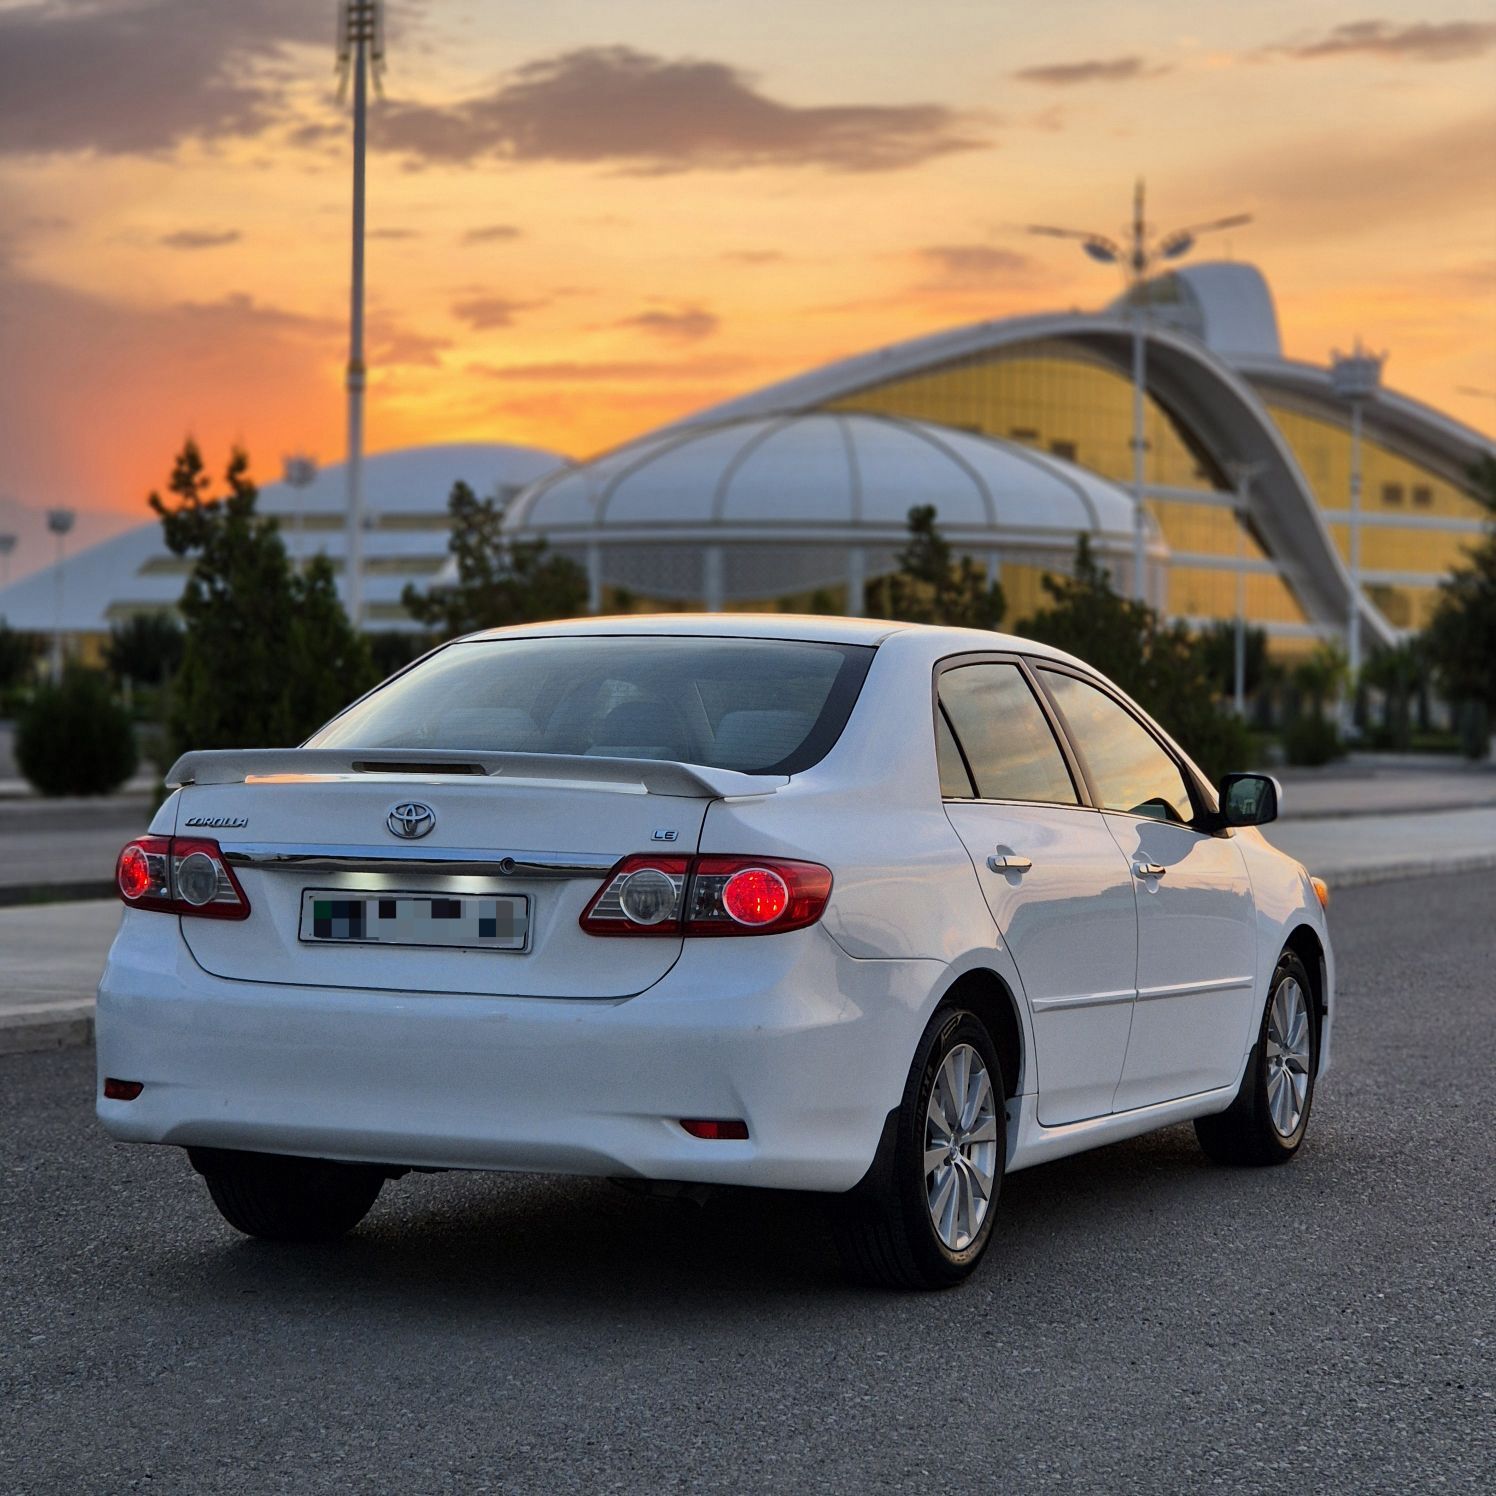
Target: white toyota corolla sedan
x,y
865,908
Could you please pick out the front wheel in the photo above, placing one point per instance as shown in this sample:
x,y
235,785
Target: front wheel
x,y
924,1215
1267,1121
288,1199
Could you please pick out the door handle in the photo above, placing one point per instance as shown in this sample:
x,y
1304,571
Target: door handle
x,y
1149,869
1006,862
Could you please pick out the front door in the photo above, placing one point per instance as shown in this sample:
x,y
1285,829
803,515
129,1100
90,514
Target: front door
x,y
1055,880
1196,919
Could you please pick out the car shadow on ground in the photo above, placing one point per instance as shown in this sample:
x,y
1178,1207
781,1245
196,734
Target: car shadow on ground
x,y
558,1249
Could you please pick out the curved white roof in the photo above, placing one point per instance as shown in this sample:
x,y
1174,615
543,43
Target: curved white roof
x,y
134,571
1227,305
785,474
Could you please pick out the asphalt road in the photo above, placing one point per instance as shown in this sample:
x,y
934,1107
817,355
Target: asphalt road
x,y
1145,1321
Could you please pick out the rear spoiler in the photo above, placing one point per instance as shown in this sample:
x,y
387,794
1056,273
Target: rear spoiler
x,y
639,775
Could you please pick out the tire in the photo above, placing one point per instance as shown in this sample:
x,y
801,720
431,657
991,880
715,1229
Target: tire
x,y
885,1230
1267,1121
288,1199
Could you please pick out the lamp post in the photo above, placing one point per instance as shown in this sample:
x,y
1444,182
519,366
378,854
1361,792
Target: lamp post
x,y
1355,377
1137,257
360,52
59,522
7,545
298,472
1242,474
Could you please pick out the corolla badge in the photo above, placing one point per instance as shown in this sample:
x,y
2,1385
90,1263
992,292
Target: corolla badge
x,y
410,819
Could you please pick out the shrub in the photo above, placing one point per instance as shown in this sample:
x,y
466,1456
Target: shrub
x,y
1311,741
75,738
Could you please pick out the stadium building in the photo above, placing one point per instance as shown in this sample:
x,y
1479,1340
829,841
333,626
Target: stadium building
x,y
1018,431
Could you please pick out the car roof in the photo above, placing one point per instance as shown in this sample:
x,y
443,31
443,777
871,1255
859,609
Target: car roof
x,y
810,627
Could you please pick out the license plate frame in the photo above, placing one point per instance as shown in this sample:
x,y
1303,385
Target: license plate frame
x,y
341,900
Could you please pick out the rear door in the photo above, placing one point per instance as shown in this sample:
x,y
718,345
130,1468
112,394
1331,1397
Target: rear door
x,y
1058,886
1196,921
547,842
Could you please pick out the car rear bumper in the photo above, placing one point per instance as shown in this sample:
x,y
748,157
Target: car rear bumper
x,y
807,1045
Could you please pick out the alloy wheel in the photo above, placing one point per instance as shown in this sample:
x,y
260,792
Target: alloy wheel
x,y
960,1147
1287,1057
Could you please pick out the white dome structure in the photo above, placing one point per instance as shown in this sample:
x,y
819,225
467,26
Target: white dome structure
x,y
761,508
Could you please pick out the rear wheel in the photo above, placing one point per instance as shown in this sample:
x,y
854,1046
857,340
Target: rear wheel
x,y
288,1199
1267,1121
924,1215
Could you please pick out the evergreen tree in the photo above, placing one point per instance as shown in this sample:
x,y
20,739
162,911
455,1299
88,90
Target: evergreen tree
x,y
931,586
498,582
145,649
269,653
1162,666
1461,636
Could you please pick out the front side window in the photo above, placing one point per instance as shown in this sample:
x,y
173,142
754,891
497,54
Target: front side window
x,y
762,706
1005,735
1128,768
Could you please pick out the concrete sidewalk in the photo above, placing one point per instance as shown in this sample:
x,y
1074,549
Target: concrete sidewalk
x,y
51,955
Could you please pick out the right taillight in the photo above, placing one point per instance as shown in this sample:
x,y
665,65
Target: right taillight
x,y
179,875
646,895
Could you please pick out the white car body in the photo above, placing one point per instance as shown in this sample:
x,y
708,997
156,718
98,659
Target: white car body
x,y
1131,1002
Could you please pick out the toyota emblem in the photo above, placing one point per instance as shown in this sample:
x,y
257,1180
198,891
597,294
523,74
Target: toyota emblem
x,y
410,819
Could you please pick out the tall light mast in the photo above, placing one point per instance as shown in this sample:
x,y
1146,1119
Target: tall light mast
x,y
360,54
1138,257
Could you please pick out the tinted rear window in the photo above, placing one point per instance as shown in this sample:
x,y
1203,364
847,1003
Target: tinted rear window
x,y
762,706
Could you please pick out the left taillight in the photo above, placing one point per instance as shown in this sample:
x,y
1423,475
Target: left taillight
x,y
179,875
645,895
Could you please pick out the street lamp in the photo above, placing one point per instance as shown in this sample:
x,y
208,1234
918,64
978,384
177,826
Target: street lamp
x,y
1242,474
7,545
59,522
298,472
1137,258
1355,377
360,52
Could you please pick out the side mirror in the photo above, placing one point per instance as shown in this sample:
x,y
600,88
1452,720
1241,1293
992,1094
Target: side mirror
x,y
1249,799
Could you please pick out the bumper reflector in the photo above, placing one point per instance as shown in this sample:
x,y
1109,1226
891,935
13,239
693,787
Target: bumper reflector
x,y
732,1129
121,1090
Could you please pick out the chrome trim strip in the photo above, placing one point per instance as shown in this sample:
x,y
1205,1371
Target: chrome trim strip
x,y
1081,1000
488,862
1185,989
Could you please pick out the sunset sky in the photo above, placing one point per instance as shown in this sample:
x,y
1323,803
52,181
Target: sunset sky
x,y
588,216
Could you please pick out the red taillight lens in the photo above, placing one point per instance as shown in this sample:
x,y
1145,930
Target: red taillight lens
x,y
121,1090
646,895
755,896
179,875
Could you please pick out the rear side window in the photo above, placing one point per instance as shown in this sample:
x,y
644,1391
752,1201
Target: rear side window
x,y
763,706
1125,761
1005,735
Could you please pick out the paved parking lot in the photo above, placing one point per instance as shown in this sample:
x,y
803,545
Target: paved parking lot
x,y
1144,1322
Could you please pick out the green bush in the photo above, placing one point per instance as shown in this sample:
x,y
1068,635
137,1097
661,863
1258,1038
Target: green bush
x,y
76,739
1311,741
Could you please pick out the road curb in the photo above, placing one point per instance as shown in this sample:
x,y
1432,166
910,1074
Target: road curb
x,y
1478,862
41,1026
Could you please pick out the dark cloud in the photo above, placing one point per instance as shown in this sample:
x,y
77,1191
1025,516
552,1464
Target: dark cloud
x,y
200,238
656,114
483,312
611,369
1422,41
960,266
753,256
493,233
394,233
688,324
122,76
1094,70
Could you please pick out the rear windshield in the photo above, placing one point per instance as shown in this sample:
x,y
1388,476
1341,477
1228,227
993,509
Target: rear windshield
x,y
763,706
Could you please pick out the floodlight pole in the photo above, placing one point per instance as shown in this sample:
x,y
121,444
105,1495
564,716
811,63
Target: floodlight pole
x,y
1137,258
359,47
1355,377
1242,473
7,545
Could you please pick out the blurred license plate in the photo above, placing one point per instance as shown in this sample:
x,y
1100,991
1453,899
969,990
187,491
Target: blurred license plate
x,y
476,921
